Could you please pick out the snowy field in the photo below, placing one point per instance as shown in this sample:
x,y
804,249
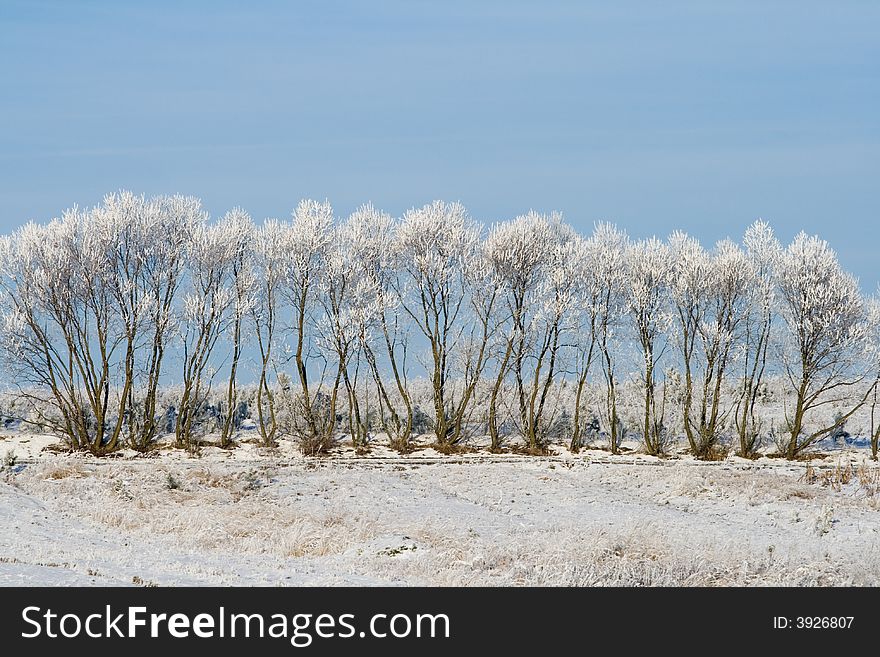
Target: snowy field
x,y
252,517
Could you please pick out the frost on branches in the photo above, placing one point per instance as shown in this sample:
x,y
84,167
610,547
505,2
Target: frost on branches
x,y
142,319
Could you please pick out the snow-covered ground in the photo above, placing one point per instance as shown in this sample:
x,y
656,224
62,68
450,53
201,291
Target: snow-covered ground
x,y
254,517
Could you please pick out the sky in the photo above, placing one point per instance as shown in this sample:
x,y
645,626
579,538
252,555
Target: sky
x,y
700,116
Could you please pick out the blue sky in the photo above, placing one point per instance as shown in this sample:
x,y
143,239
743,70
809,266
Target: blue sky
x,y
654,115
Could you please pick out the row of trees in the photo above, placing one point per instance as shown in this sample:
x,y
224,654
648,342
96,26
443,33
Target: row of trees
x,y
334,320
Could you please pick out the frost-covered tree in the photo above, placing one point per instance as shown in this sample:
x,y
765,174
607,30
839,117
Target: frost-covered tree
x,y
690,285
162,236
239,230
874,359
206,312
311,233
62,329
436,247
763,252
361,248
152,238
586,315
270,250
608,266
531,259
650,275
347,300
384,333
711,296
826,333
476,350
508,325
121,264
556,323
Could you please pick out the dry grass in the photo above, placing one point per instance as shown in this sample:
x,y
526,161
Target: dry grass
x,y
490,524
63,470
449,449
535,450
204,476
717,452
863,478
57,448
212,509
